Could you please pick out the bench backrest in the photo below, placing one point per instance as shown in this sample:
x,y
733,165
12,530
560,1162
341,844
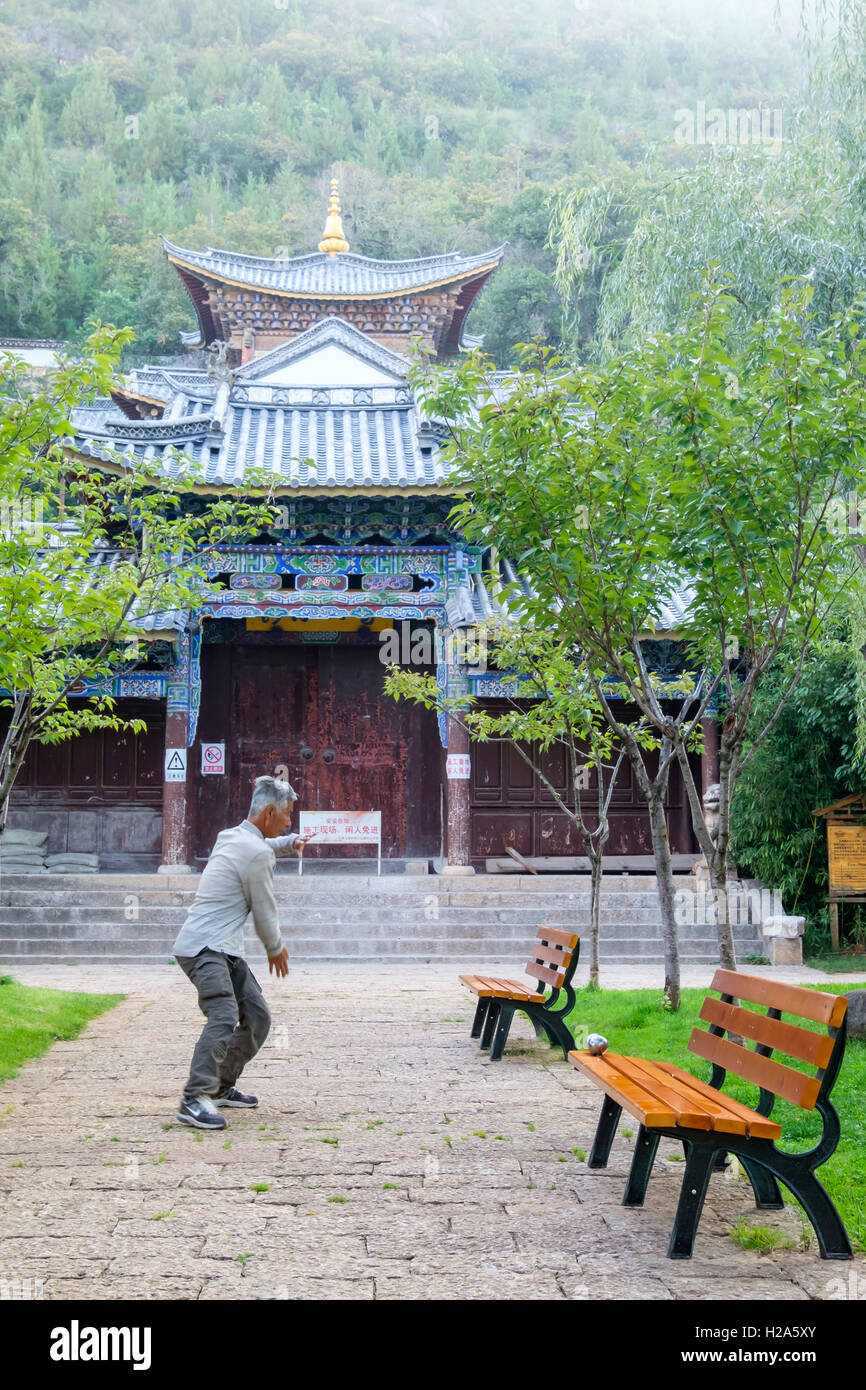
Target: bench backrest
x,y
554,957
819,1050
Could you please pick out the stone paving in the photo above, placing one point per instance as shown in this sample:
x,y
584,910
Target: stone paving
x,y
387,1159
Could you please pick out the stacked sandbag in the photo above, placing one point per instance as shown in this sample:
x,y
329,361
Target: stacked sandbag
x,y
23,851
72,862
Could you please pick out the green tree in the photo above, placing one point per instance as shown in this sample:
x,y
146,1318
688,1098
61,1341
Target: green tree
x,y
560,712
808,759
64,612
687,464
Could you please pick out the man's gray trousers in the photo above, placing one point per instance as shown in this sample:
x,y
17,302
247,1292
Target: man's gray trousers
x,y
238,1020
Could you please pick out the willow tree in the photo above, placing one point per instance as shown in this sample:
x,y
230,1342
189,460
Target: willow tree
x,y
765,201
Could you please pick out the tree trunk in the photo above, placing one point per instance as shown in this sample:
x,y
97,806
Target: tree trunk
x,y
595,916
719,861
14,751
654,795
665,882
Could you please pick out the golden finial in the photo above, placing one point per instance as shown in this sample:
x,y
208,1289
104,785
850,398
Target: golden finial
x,y
333,239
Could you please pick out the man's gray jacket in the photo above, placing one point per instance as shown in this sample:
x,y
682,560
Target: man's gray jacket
x,y
238,879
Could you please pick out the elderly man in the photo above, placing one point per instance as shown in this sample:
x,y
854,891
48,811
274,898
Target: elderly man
x,y
238,879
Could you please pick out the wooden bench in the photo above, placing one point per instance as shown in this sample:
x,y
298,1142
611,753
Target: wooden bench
x,y
668,1102
553,963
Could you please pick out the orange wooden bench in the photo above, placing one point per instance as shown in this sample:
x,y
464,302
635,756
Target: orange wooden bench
x,y
553,963
669,1102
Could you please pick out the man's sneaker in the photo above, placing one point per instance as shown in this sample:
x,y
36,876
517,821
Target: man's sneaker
x,y
202,1113
232,1096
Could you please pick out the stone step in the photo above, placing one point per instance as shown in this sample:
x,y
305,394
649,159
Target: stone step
x,y
362,949
334,883
458,919
394,902
517,932
354,917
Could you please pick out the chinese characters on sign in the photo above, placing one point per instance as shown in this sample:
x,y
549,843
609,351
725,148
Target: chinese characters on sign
x,y
457,767
175,764
846,845
343,828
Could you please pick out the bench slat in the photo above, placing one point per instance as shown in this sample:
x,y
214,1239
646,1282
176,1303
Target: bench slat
x,y
508,989
758,1126
724,1118
632,1097
555,937
782,1081
518,989
560,959
477,986
789,999
690,1113
815,1048
543,972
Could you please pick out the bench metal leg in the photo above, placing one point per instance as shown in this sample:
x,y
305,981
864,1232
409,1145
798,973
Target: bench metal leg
x,y
645,1149
559,1034
490,1023
764,1185
792,1170
506,1014
833,1241
480,1015
696,1179
604,1135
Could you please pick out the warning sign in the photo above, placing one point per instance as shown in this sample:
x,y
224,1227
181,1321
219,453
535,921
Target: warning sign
x,y
175,764
458,767
213,758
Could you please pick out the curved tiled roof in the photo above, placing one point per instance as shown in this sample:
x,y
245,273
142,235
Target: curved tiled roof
x,y
343,276
302,446
307,436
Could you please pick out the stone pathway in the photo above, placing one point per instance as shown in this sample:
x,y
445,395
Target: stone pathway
x,y
387,1159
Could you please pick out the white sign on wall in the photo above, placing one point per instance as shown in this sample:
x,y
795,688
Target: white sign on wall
x,y
213,759
175,764
342,828
457,767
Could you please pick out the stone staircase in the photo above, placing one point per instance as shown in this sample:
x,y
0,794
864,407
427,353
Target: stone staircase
x,y
134,918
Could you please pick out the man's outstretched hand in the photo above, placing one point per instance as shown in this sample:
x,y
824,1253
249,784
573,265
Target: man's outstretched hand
x,y
301,842
280,963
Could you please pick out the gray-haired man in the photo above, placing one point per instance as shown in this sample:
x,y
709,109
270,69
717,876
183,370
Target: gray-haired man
x,y
237,879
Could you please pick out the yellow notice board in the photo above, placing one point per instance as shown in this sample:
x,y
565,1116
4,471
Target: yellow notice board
x,y
846,846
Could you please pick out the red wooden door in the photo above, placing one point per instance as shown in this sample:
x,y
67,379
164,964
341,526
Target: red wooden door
x,y
319,715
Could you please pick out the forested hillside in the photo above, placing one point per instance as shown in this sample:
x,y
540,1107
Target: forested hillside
x,y
449,127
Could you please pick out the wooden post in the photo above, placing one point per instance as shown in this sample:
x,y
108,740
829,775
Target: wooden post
x,y
457,802
834,925
175,800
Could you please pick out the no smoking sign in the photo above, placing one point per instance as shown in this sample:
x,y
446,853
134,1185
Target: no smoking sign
x,y
213,758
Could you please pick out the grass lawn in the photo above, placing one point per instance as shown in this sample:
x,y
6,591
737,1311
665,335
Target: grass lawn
x,y
635,1025
32,1019
853,965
